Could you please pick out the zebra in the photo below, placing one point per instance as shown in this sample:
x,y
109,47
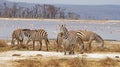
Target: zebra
x,y
17,34
89,36
59,40
36,35
70,39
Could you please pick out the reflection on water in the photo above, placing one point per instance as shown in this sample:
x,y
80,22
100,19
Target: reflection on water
x,y
105,30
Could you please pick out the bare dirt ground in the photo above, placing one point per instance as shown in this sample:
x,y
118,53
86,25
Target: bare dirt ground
x,y
6,58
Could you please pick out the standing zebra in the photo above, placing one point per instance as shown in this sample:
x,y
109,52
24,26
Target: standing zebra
x,y
70,39
17,35
36,35
90,36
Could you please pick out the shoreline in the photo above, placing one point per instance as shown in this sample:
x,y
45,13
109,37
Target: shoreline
x,y
61,20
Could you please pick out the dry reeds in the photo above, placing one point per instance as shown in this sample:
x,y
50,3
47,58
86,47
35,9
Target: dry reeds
x,y
109,62
52,63
3,44
77,62
29,63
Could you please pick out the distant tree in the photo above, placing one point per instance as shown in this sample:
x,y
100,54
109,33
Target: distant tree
x,y
36,11
5,12
14,10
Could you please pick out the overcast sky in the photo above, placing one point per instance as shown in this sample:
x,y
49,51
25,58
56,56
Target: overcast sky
x,y
76,2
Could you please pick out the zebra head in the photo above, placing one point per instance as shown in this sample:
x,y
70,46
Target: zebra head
x,y
63,29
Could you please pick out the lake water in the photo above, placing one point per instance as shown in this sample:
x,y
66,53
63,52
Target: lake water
x,y
108,30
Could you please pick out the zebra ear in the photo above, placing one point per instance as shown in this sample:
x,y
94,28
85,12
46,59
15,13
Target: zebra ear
x,y
61,25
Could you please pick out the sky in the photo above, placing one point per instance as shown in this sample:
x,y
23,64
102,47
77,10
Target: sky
x,y
73,2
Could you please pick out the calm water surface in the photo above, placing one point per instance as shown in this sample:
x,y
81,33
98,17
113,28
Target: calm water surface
x,y
109,31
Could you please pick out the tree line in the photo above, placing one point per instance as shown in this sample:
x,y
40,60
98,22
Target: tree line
x,y
45,11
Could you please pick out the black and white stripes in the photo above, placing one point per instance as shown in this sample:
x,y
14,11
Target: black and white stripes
x,y
36,35
70,39
17,35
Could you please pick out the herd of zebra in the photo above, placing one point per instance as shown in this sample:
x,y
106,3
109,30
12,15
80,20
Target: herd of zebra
x,y
67,38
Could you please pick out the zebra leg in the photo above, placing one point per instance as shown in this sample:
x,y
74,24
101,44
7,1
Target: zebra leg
x,y
64,49
81,45
46,42
70,50
13,42
40,45
82,48
73,48
18,44
33,45
90,41
58,45
27,44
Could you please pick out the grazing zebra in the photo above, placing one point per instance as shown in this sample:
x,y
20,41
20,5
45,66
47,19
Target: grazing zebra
x,y
90,36
36,35
70,39
17,35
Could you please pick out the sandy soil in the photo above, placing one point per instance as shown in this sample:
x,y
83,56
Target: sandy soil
x,y
17,55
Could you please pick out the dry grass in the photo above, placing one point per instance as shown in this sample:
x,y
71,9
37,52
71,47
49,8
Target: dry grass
x,y
110,46
65,62
109,62
38,63
3,43
4,46
77,62
52,63
29,63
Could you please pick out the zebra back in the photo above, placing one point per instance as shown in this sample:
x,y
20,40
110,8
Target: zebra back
x,y
36,34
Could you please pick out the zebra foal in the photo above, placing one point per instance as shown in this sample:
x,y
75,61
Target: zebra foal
x,y
36,35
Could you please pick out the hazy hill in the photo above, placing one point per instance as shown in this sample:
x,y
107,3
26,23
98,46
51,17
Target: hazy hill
x,y
95,11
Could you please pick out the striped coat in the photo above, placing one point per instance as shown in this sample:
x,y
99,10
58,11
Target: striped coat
x,y
17,35
70,39
90,36
36,35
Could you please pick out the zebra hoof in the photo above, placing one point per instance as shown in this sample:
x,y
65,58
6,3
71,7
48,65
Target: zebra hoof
x,y
73,53
39,49
69,53
64,53
81,52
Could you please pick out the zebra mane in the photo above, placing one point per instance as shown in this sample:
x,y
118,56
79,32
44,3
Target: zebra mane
x,y
25,29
